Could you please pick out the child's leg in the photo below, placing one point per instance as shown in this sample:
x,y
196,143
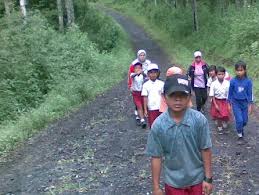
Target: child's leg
x,y
244,116
238,118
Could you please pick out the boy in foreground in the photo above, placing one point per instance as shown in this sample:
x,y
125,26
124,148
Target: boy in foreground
x,y
180,136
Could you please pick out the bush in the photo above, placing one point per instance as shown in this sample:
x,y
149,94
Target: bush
x,y
44,74
100,28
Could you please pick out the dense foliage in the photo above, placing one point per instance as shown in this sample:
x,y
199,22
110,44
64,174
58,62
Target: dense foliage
x,y
45,73
226,33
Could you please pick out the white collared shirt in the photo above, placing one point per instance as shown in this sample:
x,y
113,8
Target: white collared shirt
x,y
219,90
137,82
153,90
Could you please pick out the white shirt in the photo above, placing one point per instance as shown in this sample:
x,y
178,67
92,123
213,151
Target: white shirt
x,y
137,82
219,90
210,80
153,91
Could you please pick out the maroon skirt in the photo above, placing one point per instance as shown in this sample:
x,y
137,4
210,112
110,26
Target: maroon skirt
x,y
223,112
138,99
152,115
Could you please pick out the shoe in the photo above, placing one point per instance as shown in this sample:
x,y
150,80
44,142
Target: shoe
x,y
220,128
240,141
138,121
224,124
136,113
143,124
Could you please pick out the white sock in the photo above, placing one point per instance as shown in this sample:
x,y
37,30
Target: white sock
x,y
136,112
142,120
239,135
137,117
220,128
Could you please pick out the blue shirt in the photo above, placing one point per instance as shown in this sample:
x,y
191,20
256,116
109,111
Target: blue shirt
x,y
180,145
240,89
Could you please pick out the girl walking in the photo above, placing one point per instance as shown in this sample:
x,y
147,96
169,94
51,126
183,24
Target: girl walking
x,y
220,109
241,98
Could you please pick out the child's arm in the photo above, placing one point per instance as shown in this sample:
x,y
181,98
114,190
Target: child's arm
x,y
132,75
156,164
214,102
145,106
206,157
250,96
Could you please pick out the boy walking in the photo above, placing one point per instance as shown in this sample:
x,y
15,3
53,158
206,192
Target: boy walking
x,y
181,136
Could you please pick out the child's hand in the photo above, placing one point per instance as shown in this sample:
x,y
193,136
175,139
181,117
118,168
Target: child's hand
x,y
139,72
206,188
158,192
229,108
250,109
145,113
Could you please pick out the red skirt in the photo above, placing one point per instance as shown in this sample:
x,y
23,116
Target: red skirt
x,y
223,112
152,115
138,99
193,190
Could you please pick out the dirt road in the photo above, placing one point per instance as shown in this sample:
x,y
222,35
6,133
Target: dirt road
x,y
99,150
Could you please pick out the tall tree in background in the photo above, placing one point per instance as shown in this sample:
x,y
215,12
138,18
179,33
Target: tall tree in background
x,y
23,8
195,17
70,12
60,15
8,7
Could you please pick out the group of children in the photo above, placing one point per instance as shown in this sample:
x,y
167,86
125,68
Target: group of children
x,y
226,94
179,139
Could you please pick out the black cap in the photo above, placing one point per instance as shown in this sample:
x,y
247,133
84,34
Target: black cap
x,y
177,83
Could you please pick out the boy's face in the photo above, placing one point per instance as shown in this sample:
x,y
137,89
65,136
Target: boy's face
x,y
137,69
178,101
212,73
220,76
153,74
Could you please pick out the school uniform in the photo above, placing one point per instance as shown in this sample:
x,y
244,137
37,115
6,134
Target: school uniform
x,y
180,145
153,90
219,90
240,96
145,65
137,84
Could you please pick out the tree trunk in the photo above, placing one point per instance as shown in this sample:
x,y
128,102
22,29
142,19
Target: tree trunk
x,y
8,7
195,17
23,8
70,12
60,15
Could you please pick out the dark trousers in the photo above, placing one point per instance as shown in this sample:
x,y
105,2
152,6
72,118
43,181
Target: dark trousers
x,y
201,97
240,110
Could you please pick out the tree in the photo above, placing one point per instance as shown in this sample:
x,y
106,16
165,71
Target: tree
x,y
70,12
60,15
8,7
23,7
195,17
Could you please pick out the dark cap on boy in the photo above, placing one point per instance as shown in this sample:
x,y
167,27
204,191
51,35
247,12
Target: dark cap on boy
x,y
177,83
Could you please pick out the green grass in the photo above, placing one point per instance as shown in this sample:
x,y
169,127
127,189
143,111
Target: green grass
x,y
69,96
